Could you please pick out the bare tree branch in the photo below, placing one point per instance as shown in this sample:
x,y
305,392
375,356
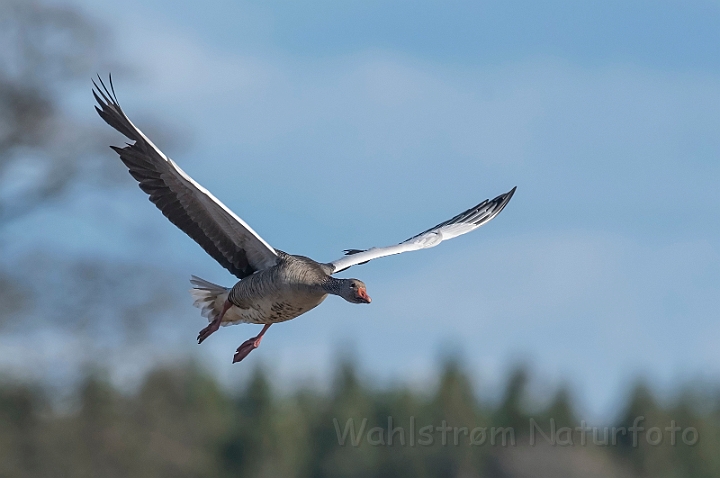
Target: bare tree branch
x,y
44,49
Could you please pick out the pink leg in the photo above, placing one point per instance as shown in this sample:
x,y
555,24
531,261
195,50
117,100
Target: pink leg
x,y
214,325
250,345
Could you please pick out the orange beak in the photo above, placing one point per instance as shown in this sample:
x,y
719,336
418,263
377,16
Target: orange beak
x,y
362,294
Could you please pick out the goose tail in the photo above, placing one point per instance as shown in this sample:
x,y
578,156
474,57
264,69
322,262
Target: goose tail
x,y
208,297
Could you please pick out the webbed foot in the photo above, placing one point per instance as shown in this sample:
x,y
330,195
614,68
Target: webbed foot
x,y
249,345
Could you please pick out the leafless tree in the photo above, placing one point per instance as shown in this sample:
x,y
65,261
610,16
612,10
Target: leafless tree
x,y
48,52
45,50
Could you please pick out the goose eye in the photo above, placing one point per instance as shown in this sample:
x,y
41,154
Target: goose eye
x,y
352,286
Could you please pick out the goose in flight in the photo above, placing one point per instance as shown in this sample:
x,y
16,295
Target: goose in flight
x,y
274,286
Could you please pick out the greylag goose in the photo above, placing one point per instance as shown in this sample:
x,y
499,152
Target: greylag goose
x,y
274,286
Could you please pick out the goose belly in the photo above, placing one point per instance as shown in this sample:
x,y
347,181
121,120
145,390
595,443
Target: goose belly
x,y
270,310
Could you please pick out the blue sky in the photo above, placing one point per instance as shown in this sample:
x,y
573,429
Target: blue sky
x,y
331,125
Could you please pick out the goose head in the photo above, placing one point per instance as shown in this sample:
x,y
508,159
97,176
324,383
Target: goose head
x,y
353,290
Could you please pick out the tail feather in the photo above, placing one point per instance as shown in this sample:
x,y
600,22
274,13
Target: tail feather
x,y
208,297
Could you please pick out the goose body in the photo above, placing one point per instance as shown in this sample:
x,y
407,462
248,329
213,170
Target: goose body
x,y
293,286
273,286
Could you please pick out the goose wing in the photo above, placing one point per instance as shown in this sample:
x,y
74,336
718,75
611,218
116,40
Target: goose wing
x,y
461,224
192,208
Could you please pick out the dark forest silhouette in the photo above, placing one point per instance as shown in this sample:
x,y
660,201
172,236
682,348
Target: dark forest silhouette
x,y
181,422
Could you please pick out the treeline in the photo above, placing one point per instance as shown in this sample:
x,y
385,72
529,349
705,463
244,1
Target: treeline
x,y
182,423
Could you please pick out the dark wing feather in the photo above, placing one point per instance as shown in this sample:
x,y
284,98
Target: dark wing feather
x,y
223,235
477,215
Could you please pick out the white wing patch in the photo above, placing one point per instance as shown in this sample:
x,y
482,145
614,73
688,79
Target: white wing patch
x,y
461,224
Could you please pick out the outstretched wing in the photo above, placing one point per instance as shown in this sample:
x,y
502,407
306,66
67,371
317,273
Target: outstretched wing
x,y
457,226
223,235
